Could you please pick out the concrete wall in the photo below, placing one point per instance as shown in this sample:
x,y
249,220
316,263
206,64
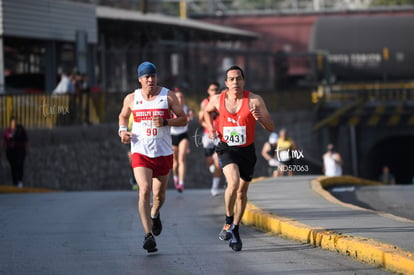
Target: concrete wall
x,y
74,158
92,157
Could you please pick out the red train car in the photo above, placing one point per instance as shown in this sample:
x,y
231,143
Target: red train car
x,y
357,37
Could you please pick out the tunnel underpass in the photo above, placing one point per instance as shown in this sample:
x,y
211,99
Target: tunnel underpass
x,y
395,152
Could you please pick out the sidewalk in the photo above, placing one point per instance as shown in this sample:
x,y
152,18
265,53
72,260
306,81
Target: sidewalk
x,y
298,209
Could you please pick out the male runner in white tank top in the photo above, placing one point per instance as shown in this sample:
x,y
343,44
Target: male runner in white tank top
x,y
151,145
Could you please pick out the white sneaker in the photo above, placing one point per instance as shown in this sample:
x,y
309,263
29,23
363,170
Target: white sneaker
x,y
214,192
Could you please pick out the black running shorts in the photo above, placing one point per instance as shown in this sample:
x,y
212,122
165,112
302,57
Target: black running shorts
x,y
244,157
176,139
208,152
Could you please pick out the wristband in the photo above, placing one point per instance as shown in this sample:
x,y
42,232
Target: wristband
x,y
122,128
165,122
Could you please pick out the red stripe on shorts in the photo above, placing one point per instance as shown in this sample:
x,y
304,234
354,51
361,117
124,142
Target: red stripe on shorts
x,y
160,166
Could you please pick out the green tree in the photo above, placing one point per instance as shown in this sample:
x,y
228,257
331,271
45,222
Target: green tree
x,y
392,2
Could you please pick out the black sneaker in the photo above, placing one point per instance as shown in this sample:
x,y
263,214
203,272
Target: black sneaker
x,y
149,243
156,225
180,188
235,242
225,233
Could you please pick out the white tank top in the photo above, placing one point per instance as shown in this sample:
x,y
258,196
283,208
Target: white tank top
x,y
332,168
147,139
178,130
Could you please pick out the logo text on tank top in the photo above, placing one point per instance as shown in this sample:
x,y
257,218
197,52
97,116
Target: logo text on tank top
x,y
144,118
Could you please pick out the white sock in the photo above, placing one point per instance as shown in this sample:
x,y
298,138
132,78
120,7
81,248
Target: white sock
x,y
216,182
181,182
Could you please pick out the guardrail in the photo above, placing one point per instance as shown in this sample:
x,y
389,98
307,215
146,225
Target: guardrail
x,y
374,92
48,111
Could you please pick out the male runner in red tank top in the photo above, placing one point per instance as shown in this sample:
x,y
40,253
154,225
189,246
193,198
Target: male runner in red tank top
x,y
239,110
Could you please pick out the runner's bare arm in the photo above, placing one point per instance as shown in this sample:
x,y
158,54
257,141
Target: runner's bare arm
x,y
212,106
266,147
124,118
201,114
339,159
126,110
294,147
260,112
181,119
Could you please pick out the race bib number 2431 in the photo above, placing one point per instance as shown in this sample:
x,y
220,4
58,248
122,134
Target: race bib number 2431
x,y
235,136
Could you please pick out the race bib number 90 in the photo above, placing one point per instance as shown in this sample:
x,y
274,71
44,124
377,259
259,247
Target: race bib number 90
x,y
147,131
235,136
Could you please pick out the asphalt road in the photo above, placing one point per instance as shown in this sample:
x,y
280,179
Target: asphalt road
x,y
100,233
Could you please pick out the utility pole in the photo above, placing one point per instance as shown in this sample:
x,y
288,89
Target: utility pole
x,y
144,6
183,9
316,5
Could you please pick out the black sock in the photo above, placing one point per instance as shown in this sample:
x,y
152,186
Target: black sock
x,y
148,235
235,228
229,219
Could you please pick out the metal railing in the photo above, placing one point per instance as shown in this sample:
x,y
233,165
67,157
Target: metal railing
x,y
48,111
371,92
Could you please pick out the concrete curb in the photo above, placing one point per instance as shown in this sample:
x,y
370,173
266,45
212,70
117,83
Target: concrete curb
x,y
14,189
320,184
365,250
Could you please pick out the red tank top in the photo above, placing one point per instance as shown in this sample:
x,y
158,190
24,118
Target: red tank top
x,y
236,129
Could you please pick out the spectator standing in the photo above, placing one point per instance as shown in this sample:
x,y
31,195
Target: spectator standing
x,y
285,146
65,85
85,90
386,177
269,154
16,143
332,162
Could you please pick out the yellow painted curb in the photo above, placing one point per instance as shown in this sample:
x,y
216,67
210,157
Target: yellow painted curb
x,y
342,180
366,250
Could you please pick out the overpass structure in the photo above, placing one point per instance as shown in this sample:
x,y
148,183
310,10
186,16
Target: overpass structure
x,y
372,126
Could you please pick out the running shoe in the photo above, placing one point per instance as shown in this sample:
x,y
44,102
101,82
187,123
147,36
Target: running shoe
x,y
180,188
176,183
214,192
225,233
235,242
149,243
156,225
132,181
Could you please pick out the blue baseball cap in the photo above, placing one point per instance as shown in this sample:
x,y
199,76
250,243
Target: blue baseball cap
x,y
146,68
